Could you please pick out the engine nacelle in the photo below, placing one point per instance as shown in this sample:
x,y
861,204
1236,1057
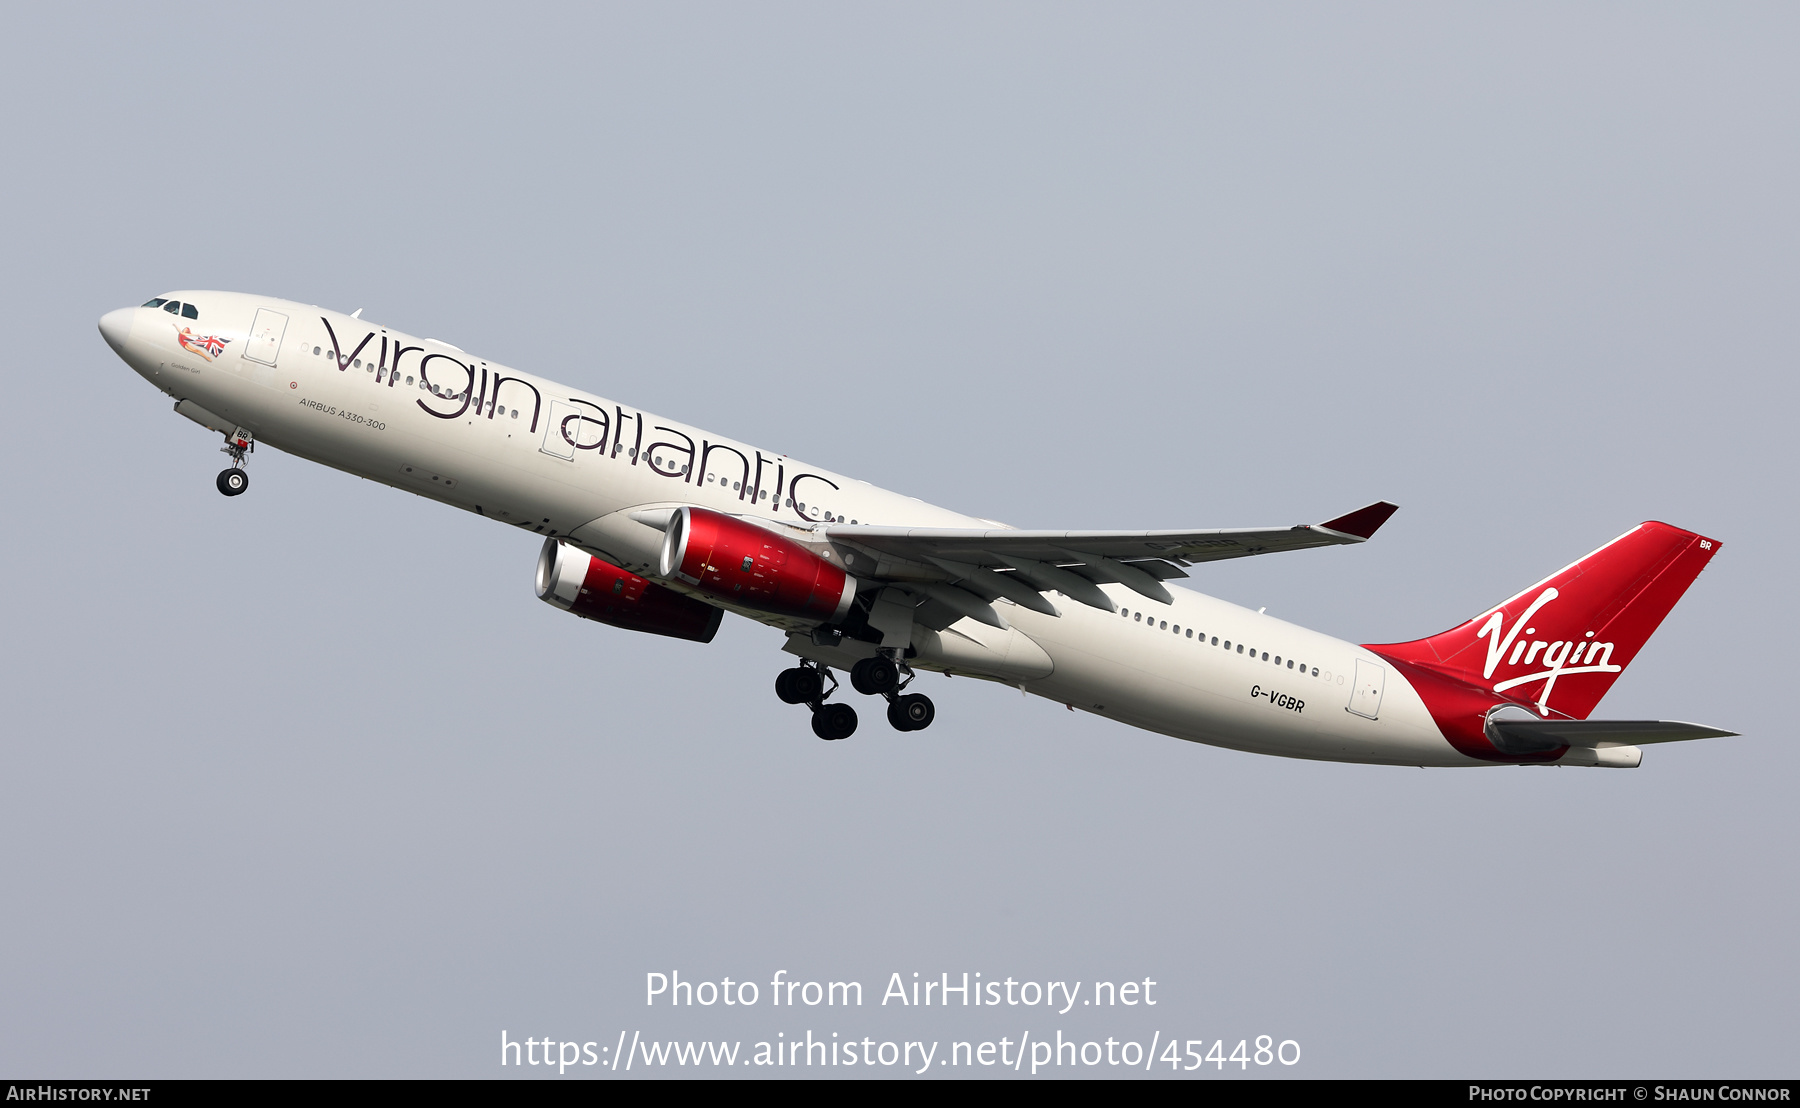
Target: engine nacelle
x,y
753,567
578,582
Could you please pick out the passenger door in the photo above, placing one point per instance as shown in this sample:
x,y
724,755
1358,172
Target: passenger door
x,y
1365,694
561,429
265,336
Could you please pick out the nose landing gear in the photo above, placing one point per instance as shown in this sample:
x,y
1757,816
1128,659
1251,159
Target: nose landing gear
x,y
233,481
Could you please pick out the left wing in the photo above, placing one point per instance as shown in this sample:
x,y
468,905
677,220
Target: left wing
x,y
983,565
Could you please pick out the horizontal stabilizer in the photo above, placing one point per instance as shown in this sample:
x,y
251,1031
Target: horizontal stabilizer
x,y
1544,734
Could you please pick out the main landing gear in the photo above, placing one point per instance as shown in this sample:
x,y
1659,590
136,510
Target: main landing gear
x,y
233,481
877,676
805,684
881,676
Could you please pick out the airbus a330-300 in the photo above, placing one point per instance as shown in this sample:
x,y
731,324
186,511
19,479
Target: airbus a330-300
x,y
654,526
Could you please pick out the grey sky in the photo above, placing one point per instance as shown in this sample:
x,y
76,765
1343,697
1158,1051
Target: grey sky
x,y
308,783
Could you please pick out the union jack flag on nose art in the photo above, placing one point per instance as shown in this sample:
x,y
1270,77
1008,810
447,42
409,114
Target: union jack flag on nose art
x,y
207,346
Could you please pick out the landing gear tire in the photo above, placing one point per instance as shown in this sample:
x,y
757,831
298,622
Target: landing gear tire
x,y
875,676
233,481
834,721
798,685
913,712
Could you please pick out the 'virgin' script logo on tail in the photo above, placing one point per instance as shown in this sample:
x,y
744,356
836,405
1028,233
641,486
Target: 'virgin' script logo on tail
x,y
1559,657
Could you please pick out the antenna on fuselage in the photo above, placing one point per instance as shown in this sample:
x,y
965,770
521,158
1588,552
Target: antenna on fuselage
x,y
357,314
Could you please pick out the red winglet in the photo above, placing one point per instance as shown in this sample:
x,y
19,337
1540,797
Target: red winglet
x,y
1364,522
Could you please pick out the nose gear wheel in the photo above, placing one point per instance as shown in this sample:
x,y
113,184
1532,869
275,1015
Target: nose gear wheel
x,y
233,481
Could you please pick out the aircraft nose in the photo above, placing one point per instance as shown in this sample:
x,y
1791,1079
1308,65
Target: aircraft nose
x,y
115,328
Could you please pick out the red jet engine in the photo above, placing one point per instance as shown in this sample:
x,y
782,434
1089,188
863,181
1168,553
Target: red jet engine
x,y
578,582
753,567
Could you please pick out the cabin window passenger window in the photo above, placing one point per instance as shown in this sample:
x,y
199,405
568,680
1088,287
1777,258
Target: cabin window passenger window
x,y
315,351
1315,671
1290,663
188,311
1240,648
1215,641
1190,632
409,380
515,414
1163,626
157,303
1140,617
1265,656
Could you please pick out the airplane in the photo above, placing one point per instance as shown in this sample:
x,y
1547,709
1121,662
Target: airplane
x,y
655,526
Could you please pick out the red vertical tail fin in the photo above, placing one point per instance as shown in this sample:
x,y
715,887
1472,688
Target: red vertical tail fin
x,y
1559,645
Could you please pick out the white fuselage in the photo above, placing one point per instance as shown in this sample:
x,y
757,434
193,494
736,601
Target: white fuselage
x,y
1277,689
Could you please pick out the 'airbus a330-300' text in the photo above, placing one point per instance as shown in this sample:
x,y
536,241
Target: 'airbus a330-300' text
x,y
655,526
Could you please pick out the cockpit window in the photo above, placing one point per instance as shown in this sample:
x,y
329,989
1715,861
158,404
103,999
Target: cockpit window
x,y
157,303
173,307
188,311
